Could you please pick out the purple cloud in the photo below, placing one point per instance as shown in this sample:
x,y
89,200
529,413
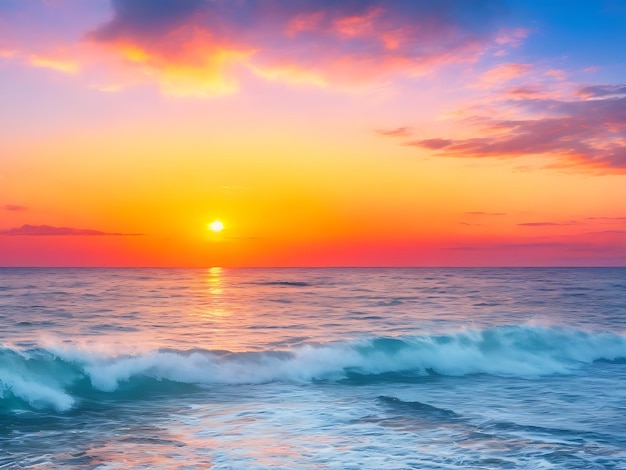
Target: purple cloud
x,y
586,134
48,230
601,91
432,144
332,41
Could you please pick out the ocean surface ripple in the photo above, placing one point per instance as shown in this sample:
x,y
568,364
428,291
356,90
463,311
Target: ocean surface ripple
x,y
312,368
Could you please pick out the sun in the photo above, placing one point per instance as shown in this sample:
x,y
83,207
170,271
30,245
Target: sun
x,y
216,226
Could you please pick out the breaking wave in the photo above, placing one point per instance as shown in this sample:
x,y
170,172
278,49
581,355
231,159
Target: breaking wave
x,y
59,377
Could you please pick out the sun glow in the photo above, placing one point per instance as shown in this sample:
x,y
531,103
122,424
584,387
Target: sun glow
x,y
216,226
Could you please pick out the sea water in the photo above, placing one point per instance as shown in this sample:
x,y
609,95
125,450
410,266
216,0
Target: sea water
x,y
313,368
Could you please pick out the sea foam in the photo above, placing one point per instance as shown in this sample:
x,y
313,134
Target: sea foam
x,y
55,377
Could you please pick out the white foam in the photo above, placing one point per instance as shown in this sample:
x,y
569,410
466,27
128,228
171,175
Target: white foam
x,y
36,394
521,351
512,351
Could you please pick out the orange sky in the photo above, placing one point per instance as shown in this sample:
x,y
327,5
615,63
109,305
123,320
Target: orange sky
x,y
400,133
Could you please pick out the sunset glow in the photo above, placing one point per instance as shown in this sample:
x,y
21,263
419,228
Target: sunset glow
x,y
216,226
379,133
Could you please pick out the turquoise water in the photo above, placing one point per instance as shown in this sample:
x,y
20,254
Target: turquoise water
x,y
313,368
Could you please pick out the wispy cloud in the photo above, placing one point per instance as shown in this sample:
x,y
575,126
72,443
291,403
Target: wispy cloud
x,y
601,91
557,74
485,213
15,207
59,65
471,225
587,134
583,248
396,132
48,230
527,91
514,37
546,224
501,74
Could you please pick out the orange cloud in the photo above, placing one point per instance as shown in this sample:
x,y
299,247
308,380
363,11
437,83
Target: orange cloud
x,y
60,65
184,62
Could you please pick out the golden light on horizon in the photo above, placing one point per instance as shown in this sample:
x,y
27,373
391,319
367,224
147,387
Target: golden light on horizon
x,y
216,226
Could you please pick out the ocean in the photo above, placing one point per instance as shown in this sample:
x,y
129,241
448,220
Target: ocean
x,y
394,368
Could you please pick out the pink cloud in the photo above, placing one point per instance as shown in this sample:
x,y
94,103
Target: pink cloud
x,y
558,74
48,230
514,37
304,22
205,48
187,44
585,134
501,74
527,91
397,132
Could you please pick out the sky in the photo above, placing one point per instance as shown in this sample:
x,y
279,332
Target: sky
x,y
318,132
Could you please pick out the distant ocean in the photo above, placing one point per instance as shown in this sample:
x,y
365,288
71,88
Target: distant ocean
x,y
313,368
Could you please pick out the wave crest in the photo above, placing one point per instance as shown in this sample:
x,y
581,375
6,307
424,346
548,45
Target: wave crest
x,y
56,377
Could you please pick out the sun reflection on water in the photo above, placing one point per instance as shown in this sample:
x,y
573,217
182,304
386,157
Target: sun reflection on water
x,y
215,288
214,280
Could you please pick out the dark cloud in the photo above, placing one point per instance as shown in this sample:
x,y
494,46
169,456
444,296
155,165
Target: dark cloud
x,y
147,17
583,133
48,230
14,207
